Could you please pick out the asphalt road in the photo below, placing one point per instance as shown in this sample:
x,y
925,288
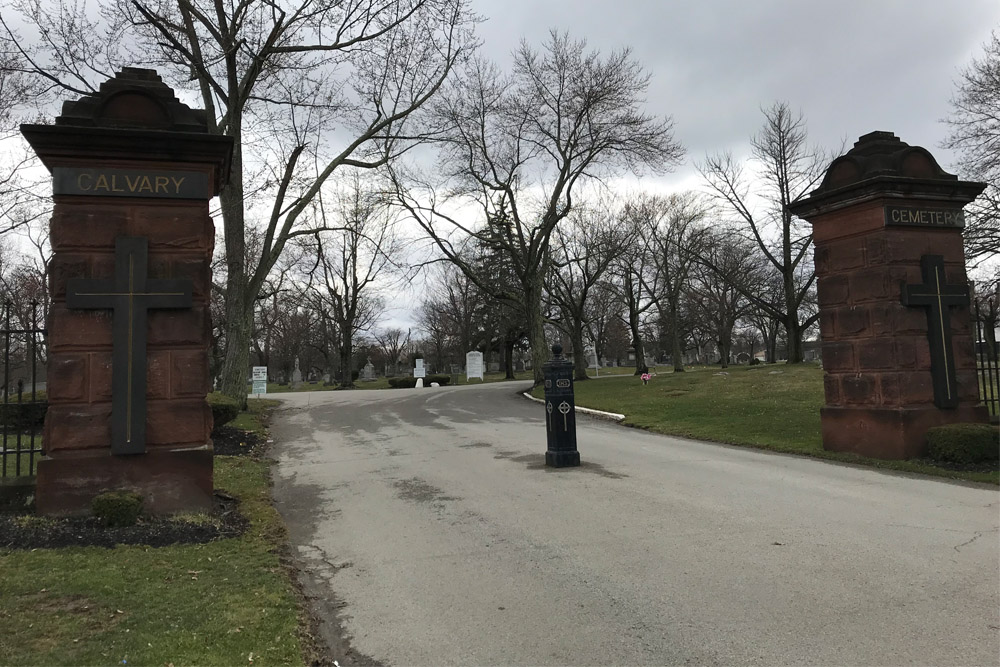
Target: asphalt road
x,y
427,525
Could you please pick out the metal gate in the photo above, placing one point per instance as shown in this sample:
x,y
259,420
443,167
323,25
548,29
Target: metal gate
x,y
24,399
987,351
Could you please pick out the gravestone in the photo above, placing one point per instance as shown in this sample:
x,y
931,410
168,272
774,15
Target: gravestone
x,y
296,375
473,365
494,367
893,295
133,171
368,372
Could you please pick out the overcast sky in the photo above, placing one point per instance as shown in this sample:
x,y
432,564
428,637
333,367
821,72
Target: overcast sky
x,y
851,66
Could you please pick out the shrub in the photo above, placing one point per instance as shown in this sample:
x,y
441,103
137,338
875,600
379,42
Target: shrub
x,y
117,508
963,443
224,408
755,362
404,382
24,416
442,380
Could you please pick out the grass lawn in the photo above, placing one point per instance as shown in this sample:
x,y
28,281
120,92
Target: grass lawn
x,y
28,461
229,602
772,407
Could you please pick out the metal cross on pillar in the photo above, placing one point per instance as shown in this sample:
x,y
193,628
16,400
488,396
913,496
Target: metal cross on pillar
x,y
937,296
130,293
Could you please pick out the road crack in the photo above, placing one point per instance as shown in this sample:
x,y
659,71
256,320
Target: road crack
x,y
975,537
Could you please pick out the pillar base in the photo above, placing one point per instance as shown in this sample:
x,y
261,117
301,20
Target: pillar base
x,y
564,458
169,481
889,433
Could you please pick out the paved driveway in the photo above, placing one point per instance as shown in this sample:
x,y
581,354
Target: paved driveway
x,y
428,526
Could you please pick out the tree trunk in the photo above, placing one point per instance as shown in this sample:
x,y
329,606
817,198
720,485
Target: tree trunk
x,y
675,344
346,360
725,344
793,334
771,356
579,356
536,328
793,331
239,301
640,353
508,358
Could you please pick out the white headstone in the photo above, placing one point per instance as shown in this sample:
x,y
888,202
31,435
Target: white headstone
x,y
296,375
368,372
420,383
259,380
418,369
473,365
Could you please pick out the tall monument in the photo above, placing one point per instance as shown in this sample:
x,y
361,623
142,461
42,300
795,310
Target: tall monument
x,y
133,171
893,295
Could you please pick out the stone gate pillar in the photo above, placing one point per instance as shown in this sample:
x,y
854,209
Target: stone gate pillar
x,y
133,171
893,298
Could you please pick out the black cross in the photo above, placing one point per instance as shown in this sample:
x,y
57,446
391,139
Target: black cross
x,y
937,296
129,294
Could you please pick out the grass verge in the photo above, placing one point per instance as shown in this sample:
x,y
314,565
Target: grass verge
x,y
774,407
224,603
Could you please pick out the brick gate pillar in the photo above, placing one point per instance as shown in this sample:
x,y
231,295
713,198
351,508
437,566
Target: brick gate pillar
x,y
893,298
133,172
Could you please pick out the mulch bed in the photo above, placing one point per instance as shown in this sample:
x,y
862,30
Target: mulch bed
x,y
26,531
19,530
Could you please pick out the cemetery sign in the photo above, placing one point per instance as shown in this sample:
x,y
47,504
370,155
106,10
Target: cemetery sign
x,y
259,380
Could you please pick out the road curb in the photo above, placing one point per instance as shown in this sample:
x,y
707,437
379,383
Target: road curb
x,y
600,414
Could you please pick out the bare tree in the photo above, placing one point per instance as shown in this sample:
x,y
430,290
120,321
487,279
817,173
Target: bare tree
x,y
673,232
604,312
582,253
975,134
520,146
392,343
787,168
715,290
635,279
353,263
277,76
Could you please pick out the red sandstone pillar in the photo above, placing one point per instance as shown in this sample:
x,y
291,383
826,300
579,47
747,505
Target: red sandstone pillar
x,y
881,209
130,162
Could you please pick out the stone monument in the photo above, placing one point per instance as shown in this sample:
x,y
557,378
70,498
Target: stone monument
x,y
893,298
296,375
473,365
133,171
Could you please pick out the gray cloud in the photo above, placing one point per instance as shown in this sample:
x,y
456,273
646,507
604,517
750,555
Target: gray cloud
x,y
851,67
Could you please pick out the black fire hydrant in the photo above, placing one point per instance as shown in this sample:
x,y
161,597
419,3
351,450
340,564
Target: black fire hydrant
x,y
560,411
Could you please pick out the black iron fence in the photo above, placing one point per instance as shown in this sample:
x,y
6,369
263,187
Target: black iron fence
x,y
987,351
24,401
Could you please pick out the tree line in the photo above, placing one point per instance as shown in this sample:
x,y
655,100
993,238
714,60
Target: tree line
x,y
365,128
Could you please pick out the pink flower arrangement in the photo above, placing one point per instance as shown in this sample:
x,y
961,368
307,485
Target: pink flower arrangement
x,y
645,378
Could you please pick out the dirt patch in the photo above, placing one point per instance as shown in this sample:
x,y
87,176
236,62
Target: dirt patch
x,y
229,441
418,490
477,445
